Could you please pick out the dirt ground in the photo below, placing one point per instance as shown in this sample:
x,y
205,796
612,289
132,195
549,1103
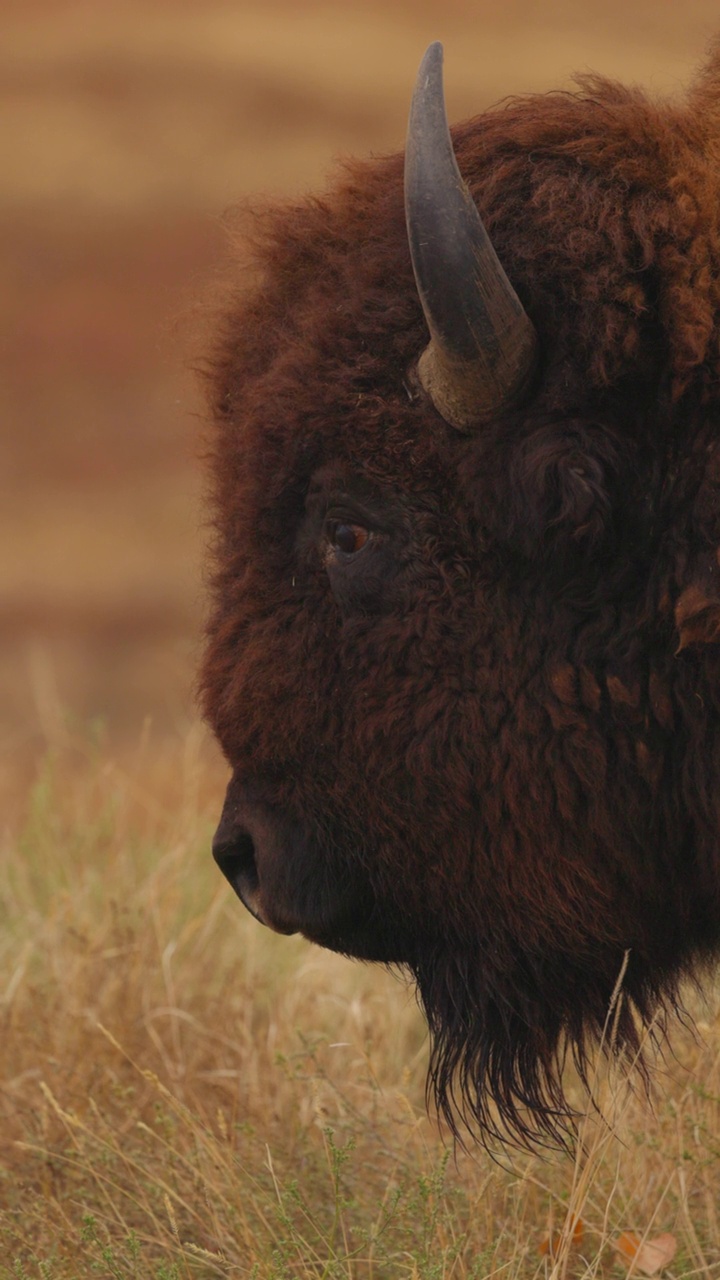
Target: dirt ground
x,y
125,130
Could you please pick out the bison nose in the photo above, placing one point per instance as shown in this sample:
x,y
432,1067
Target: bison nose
x,y
241,846
235,856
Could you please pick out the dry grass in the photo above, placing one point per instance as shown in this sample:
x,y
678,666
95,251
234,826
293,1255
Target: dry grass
x,y
184,1094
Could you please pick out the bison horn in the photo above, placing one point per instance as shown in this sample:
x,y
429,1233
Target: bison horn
x,y
483,346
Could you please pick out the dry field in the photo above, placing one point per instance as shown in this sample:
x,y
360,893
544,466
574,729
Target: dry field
x,y
181,1094
184,1095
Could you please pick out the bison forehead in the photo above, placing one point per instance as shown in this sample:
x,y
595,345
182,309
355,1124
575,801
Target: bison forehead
x,y
600,209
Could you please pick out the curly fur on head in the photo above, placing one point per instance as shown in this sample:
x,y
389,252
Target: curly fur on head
x,y
468,687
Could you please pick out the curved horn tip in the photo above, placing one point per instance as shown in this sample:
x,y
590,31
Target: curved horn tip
x,y
483,346
428,94
432,57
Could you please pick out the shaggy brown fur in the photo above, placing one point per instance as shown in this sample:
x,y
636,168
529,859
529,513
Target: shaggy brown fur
x,y
486,744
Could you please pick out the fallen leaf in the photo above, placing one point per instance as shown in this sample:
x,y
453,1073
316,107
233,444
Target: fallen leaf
x,y
551,1241
628,1244
650,1256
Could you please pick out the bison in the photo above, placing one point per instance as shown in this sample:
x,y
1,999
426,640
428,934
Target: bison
x,y
463,655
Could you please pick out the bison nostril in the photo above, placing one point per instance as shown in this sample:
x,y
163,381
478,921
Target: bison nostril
x,y
236,860
248,848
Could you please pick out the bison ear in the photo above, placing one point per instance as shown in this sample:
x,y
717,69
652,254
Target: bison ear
x,y
697,609
561,485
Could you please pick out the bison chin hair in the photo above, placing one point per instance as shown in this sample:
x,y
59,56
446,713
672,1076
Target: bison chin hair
x,y
499,1051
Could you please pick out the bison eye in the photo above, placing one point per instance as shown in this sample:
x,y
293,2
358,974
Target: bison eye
x,y
345,537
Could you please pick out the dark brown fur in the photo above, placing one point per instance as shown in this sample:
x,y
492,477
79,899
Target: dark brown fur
x,y
492,753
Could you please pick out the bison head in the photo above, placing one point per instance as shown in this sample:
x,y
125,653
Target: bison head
x,y
461,658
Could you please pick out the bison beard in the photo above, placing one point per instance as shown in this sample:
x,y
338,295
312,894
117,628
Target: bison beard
x,y
462,657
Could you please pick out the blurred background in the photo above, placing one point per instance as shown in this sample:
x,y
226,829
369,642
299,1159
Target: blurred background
x,y
126,130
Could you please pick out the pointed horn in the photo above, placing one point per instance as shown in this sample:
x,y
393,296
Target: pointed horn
x,y
483,346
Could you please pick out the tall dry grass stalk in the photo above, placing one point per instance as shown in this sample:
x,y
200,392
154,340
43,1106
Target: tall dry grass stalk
x,y
185,1095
